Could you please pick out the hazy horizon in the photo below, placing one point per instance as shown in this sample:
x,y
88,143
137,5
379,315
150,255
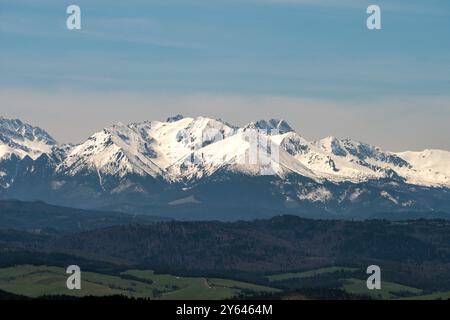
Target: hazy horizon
x,y
84,121
312,63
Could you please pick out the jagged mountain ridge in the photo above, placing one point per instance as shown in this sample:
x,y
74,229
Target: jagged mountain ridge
x,y
191,161
21,140
156,148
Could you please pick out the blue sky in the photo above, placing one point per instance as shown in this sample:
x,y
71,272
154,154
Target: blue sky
x,y
302,51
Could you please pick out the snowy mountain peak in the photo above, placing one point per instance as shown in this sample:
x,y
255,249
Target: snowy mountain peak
x,y
175,118
271,126
249,153
210,163
15,128
359,151
116,150
184,147
146,148
429,167
21,139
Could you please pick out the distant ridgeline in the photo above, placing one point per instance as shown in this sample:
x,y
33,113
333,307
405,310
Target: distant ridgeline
x,y
205,169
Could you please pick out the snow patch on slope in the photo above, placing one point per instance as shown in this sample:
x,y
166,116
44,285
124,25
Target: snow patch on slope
x,y
320,194
428,167
21,139
191,148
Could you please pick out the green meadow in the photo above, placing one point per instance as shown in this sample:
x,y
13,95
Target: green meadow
x,y
307,274
38,281
389,290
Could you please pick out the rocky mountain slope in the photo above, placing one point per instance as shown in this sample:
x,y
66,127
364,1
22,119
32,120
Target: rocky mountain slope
x,y
202,168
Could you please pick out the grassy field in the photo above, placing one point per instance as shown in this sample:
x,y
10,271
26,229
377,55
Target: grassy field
x,y
431,296
172,287
307,274
389,290
36,281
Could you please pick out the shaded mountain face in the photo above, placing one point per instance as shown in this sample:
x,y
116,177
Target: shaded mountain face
x,y
202,168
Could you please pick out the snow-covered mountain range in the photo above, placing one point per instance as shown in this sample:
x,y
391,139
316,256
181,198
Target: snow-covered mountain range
x,y
208,168
21,139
